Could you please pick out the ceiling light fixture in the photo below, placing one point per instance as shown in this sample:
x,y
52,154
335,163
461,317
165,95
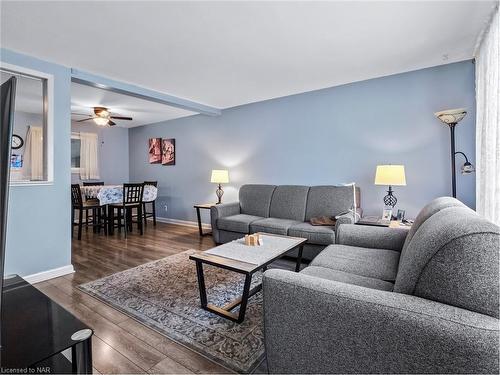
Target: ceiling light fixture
x,y
103,112
101,121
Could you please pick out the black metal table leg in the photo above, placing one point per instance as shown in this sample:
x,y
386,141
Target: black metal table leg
x,y
200,229
225,311
299,259
81,353
201,284
244,298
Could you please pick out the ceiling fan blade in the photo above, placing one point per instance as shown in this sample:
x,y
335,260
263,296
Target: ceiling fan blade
x,y
85,119
80,114
111,123
121,117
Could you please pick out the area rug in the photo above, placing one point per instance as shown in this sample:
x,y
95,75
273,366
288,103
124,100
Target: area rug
x,y
164,296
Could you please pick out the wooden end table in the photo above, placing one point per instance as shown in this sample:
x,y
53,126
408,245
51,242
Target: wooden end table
x,y
376,221
198,207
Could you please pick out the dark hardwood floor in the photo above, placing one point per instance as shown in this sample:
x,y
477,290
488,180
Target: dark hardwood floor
x,y
120,344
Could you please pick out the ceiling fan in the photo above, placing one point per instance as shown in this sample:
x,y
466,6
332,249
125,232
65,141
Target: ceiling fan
x,y
102,116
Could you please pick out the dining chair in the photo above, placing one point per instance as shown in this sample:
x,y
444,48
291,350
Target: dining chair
x,y
91,199
152,213
132,198
77,203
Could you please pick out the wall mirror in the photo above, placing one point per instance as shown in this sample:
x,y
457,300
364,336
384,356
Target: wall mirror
x,y
31,147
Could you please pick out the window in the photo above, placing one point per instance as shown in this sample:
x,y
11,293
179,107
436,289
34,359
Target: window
x,y
84,156
32,142
75,153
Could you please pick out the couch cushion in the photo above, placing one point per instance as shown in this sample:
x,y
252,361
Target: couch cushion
x,y
319,235
272,225
454,258
329,200
347,278
256,199
377,263
237,223
289,202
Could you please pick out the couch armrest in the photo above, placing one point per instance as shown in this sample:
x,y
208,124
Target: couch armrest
x,y
368,236
222,210
314,325
348,218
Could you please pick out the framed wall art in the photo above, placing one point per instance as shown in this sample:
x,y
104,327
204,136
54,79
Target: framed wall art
x,y
155,151
168,151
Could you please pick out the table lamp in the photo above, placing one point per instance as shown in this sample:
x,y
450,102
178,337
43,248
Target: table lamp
x,y
219,176
390,175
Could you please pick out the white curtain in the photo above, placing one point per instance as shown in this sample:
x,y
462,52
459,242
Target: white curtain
x,y
89,165
488,123
33,154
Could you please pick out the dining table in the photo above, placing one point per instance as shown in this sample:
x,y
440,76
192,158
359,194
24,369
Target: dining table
x,y
112,194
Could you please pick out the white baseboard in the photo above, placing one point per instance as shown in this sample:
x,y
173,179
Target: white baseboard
x,y
50,274
182,222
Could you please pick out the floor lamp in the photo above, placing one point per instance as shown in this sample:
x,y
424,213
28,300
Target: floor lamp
x,y
452,117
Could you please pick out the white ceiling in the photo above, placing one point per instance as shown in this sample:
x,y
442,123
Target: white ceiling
x,y
230,53
84,98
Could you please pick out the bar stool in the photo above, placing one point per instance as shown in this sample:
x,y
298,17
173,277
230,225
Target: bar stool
x,y
132,198
90,199
152,213
77,203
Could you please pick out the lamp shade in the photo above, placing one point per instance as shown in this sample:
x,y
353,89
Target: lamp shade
x,y
390,175
451,116
219,176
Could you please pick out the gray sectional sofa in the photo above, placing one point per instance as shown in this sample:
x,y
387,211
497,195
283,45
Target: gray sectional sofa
x,y
284,209
384,300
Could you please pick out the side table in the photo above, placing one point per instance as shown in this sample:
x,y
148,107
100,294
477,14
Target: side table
x,y
378,222
198,207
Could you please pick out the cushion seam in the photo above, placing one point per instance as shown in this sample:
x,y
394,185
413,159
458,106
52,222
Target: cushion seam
x,y
383,278
353,274
306,231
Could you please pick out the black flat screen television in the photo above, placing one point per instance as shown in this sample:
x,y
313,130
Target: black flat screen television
x,y
7,105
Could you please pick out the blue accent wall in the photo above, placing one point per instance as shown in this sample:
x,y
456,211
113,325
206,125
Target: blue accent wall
x,y
328,136
38,225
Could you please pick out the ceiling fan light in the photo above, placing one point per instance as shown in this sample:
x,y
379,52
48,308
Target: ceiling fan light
x,y
101,111
101,121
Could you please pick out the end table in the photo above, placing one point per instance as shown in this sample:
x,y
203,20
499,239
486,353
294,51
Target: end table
x,y
378,222
198,207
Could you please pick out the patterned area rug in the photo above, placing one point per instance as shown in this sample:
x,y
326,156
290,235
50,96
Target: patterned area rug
x,y
164,296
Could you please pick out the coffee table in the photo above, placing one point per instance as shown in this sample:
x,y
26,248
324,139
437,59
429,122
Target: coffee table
x,y
238,257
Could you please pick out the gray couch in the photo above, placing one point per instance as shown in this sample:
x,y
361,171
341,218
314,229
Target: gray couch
x,y
284,209
385,300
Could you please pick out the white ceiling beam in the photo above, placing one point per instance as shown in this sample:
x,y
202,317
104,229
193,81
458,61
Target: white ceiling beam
x,y
104,83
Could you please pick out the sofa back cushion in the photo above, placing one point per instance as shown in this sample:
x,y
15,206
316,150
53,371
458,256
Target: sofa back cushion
x,y
256,199
330,200
425,213
289,202
453,258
